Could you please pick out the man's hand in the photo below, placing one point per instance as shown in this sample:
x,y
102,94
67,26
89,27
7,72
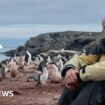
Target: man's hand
x,y
71,78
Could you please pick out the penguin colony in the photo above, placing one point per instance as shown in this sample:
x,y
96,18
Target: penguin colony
x,y
47,68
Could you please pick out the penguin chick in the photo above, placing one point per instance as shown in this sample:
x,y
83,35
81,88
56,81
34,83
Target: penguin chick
x,y
42,78
56,75
13,69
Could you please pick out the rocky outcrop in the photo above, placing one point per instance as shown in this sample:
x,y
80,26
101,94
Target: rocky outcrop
x,y
70,40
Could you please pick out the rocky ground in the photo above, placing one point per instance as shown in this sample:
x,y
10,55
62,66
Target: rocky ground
x,y
27,93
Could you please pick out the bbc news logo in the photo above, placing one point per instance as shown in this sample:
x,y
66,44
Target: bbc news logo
x,y
7,93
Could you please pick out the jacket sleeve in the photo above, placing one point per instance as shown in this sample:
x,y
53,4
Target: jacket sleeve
x,y
79,61
95,72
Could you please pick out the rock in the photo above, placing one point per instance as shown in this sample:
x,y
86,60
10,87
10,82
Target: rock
x,y
70,40
17,92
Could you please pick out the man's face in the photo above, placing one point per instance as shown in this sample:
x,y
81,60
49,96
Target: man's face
x,y
103,25
104,29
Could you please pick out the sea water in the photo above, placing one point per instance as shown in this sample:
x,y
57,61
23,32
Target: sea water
x,y
9,44
2,56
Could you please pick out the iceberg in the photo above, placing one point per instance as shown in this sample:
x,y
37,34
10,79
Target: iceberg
x,y
1,46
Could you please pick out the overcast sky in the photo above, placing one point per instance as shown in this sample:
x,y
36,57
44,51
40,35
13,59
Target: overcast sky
x,y
16,16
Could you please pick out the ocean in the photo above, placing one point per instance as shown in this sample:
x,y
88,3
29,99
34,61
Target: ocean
x,y
2,56
10,44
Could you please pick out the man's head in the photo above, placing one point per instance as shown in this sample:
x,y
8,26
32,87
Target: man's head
x,y
103,25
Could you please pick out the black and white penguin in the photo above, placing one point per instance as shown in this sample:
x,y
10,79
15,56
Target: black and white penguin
x,y
41,65
40,58
27,57
3,71
34,77
49,60
42,78
59,62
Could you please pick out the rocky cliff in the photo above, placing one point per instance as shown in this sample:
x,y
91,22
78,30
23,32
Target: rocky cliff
x,y
70,40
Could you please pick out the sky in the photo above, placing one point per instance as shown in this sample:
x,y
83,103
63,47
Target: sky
x,y
26,18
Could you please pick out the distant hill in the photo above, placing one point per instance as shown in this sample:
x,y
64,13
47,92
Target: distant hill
x,y
69,40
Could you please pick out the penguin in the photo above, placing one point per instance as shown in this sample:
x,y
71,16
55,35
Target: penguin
x,y
42,78
49,60
4,67
1,75
33,77
4,71
54,73
41,65
59,62
40,58
21,62
13,68
27,57
59,56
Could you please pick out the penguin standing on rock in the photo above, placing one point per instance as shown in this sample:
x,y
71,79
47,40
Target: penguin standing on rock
x,y
27,57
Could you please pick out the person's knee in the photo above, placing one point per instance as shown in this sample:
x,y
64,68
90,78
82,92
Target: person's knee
x,y
92,94
66,97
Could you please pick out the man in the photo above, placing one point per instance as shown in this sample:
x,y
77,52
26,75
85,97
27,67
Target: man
x,y
85,78
103,25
